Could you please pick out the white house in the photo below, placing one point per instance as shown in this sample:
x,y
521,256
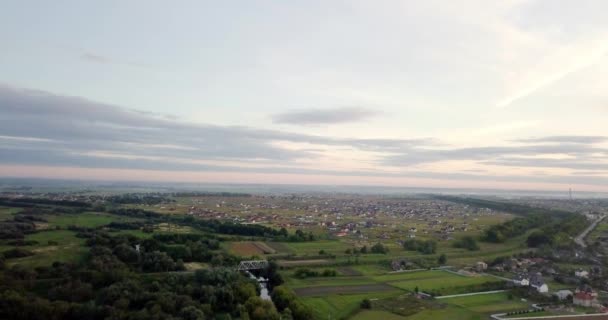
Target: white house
x,y
522,279
580,273
537,282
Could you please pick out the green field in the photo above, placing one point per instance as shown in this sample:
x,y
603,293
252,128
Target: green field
x,y
7,213
376,314
442,281
69,248
488,303
313,247
447,313
340,306
88,219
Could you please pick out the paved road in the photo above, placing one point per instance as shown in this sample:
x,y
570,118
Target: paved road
x,y
469,294
580,239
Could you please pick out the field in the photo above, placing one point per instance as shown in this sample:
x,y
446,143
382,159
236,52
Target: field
x,y
339,306
444,282
488,303
358,276
69,248
250,248
87,219
373,315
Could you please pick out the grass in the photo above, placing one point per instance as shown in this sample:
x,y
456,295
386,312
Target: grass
x,y
313,247
444,282
7,213
69,248
328,281
376,314
137,233
488,303
448,313
88,219
340,306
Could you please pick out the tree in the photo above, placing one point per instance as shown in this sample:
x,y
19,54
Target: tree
x,y
363,250
287,314
366,304
379,248
192,313
538,238
468,243
259,309
282,297
442,259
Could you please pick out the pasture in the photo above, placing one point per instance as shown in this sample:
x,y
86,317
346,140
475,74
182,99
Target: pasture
x,y
64,246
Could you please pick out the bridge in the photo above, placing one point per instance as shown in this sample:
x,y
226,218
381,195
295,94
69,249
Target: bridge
x,y
252,265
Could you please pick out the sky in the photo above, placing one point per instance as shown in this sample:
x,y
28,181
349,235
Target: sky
x,y
458,94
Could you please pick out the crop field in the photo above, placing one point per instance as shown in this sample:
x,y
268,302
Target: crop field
x,y
317,247
313,247
449,312
342,289
250,248
341,306
488,303
314,291
376,314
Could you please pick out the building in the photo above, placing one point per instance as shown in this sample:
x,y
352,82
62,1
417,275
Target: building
x,y
580,273
481,266
522,279
563,294
585,296
537,282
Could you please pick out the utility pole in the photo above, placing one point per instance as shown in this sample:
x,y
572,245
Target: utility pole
x,y
570,194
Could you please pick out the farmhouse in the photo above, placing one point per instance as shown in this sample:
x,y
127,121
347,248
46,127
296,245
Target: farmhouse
x,y
585,296
481,266
522,279
534,280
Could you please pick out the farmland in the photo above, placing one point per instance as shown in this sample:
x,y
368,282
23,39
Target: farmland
x,y
331,252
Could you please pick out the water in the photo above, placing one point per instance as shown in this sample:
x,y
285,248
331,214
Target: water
x,y
262,282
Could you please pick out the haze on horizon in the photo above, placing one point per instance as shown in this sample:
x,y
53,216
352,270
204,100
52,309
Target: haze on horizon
x,y
467,94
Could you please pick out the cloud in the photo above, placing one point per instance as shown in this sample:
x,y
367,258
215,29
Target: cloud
x,y
80,125
419,156
102,59
551,163
41,128
324,116
565,139
91,57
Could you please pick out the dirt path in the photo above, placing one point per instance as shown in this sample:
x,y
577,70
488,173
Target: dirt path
x,y
580,239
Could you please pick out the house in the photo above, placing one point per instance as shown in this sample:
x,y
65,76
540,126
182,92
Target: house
x,y
481,266
580,273
522,279
401,264
563,294
534,280
537,282
585,296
